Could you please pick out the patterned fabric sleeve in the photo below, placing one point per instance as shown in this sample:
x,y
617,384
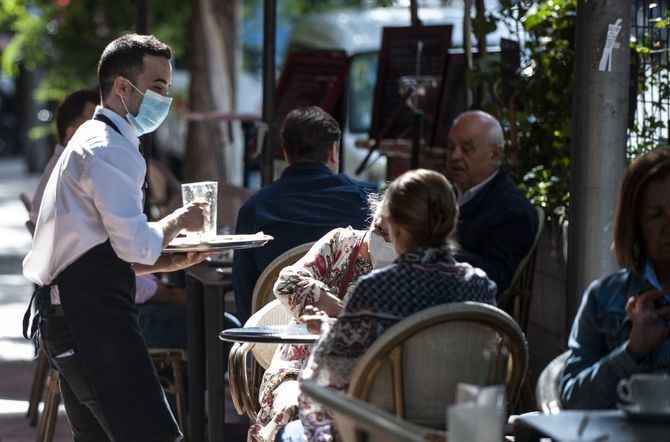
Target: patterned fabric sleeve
x,y
304,282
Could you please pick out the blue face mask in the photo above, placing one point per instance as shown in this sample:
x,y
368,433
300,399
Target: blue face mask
x,y
153,110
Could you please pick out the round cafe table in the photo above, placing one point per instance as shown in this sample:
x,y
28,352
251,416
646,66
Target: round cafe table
x,y
276,334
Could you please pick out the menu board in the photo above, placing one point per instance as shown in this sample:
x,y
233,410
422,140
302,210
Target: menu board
x,y
311,78
398,57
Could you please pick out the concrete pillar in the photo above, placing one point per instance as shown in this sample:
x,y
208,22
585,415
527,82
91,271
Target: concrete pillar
x,y
599,148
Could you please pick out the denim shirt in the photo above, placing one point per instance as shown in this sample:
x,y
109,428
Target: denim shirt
x,y
598,358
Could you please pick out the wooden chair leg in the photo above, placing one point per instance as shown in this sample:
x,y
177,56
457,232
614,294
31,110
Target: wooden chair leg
x,y
37,389
180,396
47,425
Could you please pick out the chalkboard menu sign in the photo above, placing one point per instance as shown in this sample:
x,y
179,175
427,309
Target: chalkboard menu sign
x,y
397,58
311,78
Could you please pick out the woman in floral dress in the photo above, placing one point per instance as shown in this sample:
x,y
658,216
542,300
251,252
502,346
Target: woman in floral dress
x,y
324,279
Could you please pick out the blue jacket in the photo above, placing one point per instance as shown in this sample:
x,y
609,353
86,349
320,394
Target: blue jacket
x,y
307,202
598,358
496,229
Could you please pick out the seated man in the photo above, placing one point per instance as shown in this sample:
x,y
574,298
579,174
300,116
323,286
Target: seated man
x,y
309,200
497,224
161,307
70,114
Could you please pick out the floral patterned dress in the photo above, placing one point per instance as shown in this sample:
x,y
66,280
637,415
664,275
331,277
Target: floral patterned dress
x,y
419,279
320,271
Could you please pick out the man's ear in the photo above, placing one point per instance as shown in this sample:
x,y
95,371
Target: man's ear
x,y
497,153
69,131
121,86
283,151
334,155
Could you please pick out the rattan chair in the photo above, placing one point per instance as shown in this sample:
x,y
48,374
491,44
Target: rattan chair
x,y
263,293
546,390
412,370
368,422
246,362
520,292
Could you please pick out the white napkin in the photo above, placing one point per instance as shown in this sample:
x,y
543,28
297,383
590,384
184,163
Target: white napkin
x,y
478,415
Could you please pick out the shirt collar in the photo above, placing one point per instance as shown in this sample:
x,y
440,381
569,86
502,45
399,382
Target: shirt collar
x,y
464,197
127,131
294,169
649,276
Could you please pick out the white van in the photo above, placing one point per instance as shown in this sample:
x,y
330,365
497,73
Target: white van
x,y
358,33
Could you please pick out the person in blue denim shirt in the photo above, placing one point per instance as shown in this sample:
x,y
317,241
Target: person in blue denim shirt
x,y
622,326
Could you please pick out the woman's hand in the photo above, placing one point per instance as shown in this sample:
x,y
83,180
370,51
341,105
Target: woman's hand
x,y
313,318
650,324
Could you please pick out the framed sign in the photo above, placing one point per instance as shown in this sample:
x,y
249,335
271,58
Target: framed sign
x,y
311,78
413,50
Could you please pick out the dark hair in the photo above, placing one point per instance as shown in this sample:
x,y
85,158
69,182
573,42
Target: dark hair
x,y
125,56
308,134
423,204
627,233
71,108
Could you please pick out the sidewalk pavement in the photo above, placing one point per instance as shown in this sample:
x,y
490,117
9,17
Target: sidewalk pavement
x,y
16,354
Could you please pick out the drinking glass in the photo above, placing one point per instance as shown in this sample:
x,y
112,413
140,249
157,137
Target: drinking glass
x,y
202,192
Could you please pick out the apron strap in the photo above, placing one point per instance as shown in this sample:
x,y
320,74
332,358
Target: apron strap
x,y
42,298
351,265
145,186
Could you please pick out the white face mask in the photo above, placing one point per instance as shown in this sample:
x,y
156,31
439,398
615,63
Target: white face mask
x,y
382,253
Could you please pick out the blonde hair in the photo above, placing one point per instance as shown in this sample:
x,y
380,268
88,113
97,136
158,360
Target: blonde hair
x,y
423,204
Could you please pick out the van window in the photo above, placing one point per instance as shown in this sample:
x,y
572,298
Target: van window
x,y
362,79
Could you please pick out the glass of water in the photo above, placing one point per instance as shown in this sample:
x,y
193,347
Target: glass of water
x,y
202,192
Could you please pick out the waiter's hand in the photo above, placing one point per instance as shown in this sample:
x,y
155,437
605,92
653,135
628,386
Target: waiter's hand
x,y
190,217
169,262
180,261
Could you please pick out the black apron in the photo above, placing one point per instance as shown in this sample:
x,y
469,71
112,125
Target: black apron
x,y
97,294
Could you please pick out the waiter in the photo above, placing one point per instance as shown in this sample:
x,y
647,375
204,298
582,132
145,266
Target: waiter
x,y
90,241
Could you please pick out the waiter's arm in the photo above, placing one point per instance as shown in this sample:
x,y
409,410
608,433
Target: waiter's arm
x,y
169,262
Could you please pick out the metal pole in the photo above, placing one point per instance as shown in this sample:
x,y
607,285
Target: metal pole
x,y
269,32
467,48
600,116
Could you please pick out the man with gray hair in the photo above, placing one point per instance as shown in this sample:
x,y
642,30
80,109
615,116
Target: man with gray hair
x,y
497,224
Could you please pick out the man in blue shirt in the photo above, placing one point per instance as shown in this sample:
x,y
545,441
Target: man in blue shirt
x,y
308,201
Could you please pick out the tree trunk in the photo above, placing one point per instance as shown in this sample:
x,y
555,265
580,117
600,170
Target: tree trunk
x,y
212,62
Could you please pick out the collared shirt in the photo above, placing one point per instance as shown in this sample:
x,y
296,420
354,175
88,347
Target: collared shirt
x,y
464,197
37,199
94,194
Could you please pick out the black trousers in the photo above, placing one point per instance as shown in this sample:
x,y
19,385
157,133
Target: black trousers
x,y
108,382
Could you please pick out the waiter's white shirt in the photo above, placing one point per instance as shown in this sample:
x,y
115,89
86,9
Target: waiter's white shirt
x,y
39,192
94,194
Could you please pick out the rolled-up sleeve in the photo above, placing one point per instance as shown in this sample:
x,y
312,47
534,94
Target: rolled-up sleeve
x,y
120,206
